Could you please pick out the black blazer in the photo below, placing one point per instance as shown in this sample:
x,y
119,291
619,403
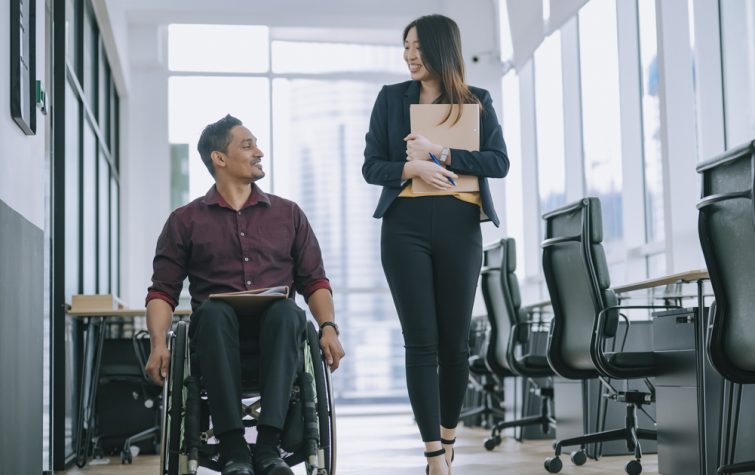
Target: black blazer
x,y
385,152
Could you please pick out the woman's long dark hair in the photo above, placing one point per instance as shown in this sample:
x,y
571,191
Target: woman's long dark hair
x,y
440,43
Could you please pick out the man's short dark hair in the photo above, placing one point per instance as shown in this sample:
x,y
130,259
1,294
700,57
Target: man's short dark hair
x,y
216,137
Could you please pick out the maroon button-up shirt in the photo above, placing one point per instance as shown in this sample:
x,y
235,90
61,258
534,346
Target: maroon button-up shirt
x,y
267,243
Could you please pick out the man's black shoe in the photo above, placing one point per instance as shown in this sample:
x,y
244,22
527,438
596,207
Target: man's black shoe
x,y
237,468
269,464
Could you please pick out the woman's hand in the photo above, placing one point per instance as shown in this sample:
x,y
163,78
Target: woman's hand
x,y
418,147
430,173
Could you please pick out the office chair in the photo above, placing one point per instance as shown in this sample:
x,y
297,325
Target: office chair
x,y
585,315
507,350
726,226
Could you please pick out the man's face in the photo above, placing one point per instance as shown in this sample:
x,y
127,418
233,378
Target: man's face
x,y
243,157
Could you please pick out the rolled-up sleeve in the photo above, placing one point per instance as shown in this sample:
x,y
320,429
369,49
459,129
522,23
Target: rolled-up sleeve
x,y
170,262
309,270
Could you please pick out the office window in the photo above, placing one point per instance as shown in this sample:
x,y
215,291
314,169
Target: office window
x,y
601,126
227,48
512,133
738,56
651,123
549,110
319,58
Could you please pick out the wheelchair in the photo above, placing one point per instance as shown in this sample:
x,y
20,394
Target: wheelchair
x,y
309,433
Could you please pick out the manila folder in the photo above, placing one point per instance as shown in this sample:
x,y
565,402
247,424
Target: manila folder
x,y
465,135
252,302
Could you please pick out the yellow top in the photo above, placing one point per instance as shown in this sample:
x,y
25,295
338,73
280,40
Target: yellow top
x,y
468,196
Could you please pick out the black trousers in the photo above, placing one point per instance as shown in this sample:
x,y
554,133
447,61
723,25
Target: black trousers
x,y
431,250
218,339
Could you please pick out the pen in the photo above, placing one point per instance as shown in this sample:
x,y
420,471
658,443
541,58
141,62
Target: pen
x,y
437,162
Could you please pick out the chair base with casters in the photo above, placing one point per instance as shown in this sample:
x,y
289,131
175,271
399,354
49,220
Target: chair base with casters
x,y
308,435
545,420
491,409
630,433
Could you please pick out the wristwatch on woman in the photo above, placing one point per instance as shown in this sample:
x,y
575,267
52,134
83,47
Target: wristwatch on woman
x,y
444,155
329,324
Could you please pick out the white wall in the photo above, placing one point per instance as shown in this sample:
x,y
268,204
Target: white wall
x,y
145,159
22,157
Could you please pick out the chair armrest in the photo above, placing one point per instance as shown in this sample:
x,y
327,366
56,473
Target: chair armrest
x,y
599,337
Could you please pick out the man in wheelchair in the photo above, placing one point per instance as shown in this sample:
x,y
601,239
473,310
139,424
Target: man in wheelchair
x,y
236,238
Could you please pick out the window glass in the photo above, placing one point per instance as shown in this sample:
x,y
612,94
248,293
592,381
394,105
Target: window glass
x,y
227,48
651,122
549,108
738,55
89,215
601,121
103,225
306,57
319,128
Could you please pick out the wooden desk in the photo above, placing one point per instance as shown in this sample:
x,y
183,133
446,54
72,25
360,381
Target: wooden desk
x,y
698,276
95,323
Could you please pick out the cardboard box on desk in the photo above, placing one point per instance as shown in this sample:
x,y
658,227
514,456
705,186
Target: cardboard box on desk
x,y
95,302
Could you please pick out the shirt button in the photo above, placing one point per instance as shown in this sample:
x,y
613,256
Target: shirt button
x,y
238,212
248,282
246,259
242,233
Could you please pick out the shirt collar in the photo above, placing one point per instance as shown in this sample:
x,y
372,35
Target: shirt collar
x,y
213,197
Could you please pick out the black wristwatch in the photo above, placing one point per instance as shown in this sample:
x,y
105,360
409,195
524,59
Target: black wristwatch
x,y
329,324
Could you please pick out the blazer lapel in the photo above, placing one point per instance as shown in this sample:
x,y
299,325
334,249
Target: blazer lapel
x,y
411,96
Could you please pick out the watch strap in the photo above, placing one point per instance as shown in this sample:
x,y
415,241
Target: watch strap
x,y
329,324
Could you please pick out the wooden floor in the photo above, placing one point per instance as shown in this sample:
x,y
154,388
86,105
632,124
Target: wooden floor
x,y
384,440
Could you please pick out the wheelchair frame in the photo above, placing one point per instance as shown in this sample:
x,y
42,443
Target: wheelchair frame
x,y
184,445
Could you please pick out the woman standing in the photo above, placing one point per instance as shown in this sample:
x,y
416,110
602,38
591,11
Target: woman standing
x,y
431,246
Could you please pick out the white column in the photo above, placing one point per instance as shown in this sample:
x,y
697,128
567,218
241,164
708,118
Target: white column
x,y
679,144
574,155
632,166
145,163
709,88
530,199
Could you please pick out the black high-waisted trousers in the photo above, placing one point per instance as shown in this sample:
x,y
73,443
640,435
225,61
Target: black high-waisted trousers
x,y
431,250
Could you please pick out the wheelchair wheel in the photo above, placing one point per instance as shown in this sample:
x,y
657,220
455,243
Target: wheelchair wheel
x,y
325,409
173,401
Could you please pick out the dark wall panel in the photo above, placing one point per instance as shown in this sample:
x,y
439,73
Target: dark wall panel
x,y
21,345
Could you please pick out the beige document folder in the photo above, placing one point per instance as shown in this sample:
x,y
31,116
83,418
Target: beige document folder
x,y
252,302
426,120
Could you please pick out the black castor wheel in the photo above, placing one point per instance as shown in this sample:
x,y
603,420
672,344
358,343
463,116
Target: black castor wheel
x,y
126,457
578,457
633,467
492,442
553,465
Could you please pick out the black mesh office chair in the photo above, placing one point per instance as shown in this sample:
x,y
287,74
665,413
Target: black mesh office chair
x,y
507,350
585,315
726,227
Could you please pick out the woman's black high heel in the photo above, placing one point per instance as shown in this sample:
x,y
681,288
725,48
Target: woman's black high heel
x,y
449,442
433,454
